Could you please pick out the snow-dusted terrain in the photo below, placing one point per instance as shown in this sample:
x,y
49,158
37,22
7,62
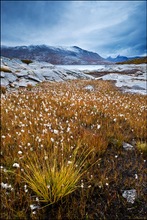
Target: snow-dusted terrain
x,y
15,73
132,79
129,83
55,55
129,77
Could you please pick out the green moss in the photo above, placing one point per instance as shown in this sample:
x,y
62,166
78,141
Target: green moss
x,y
142,146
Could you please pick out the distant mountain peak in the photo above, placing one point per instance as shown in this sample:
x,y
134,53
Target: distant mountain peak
x,y
120,58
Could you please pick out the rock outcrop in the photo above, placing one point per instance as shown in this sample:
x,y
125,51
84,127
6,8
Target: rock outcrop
x,y
15,73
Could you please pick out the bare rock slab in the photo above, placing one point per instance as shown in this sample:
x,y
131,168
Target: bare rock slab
x,y
127,146
130,195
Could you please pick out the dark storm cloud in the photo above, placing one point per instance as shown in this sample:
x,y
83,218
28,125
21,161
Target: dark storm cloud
x,y
107,27
28,19
31,12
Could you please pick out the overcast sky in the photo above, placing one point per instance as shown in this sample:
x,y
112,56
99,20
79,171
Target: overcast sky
x,y
105,27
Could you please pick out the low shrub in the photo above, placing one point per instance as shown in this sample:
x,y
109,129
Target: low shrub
x,y
27,61
3,89
29,87
142,146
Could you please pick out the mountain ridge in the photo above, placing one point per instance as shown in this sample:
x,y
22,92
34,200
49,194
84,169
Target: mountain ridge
x,y
71,55
120,58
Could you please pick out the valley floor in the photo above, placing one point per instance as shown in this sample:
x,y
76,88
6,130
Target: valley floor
x,y
73,150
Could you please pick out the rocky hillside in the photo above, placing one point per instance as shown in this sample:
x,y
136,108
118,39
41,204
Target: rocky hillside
x,y
21,73
135,61
54,55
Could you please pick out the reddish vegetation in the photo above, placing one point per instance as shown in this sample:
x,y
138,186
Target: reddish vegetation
x,y
58,117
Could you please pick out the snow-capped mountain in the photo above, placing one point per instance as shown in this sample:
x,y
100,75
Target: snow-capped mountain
x,y
53,55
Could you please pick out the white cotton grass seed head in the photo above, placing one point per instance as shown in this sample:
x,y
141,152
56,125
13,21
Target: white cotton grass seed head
x,y
45,157
56,131
20,152
25,188
136,176
37,199
6,186
33,206
98,126
68,129
16,165
82,185
52,139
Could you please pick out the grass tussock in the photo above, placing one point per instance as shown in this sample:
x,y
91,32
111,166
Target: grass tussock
x,y
3,89
62,150
57,175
